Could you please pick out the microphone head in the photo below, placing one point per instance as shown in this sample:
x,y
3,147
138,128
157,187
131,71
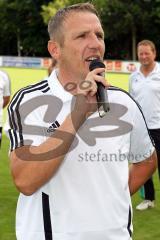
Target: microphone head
x,y
96,63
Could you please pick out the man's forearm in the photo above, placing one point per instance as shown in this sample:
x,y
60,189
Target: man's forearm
x,y
140,172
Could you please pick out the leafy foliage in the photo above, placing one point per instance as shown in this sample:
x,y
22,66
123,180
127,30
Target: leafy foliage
x,y
24,25
22,28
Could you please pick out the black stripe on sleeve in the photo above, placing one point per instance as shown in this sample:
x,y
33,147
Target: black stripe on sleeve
x,y
46,217
13,109
46,90
129,222
11,139
17,98
18,113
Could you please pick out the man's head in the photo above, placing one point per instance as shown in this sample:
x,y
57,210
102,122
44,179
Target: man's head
x,y
55,25
146,52
76,38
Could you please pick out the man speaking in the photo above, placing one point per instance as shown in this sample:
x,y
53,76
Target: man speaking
x,y
62,198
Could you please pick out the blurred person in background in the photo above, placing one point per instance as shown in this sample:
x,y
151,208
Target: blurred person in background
x,y
52,66
5,92
144,87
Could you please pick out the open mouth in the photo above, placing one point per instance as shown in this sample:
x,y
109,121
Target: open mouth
x,y
89,59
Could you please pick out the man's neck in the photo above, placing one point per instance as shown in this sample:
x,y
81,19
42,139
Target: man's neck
x,y
67,82
146,70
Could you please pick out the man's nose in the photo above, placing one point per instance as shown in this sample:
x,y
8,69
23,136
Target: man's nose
x,y
144,55
94,42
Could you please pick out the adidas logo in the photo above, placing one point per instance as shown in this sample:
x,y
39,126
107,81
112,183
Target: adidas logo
x,y
53,127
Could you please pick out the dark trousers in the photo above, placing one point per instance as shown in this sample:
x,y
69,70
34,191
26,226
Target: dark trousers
x,y
0,136
149,186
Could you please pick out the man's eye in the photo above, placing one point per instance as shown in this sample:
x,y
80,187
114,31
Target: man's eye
x,y
100,36
81,36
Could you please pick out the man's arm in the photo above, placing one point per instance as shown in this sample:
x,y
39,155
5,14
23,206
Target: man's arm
x,y
140,172
7,89
5,101
29,175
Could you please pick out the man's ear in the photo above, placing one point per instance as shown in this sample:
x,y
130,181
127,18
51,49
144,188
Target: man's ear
x,y
54,49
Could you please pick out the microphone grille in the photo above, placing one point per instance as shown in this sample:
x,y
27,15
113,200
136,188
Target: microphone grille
x,y
96,63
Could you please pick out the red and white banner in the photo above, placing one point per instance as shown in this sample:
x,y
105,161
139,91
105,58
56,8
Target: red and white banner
x,y
121,66
33,62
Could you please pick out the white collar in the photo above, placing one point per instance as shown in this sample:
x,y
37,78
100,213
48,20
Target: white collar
x,y
155,70
56,87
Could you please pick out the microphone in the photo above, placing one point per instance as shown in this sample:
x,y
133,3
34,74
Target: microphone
x,y
102,97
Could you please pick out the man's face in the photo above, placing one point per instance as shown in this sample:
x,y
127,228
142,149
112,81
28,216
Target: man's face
x,y
146,56
83,42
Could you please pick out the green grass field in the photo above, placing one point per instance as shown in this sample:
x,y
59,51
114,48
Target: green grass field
x,y
145,223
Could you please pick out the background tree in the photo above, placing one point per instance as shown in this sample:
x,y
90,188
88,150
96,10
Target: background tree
x,y
125,23
24,25
23,31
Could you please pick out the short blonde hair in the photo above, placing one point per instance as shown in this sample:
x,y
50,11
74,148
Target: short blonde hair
x,y
55,25
147,43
